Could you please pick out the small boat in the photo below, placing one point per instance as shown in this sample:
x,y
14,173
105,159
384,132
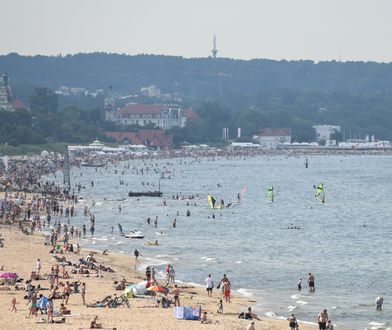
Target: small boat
x,y
90,164
135,234
145,193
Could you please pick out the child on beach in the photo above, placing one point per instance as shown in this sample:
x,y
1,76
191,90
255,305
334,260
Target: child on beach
x,y
299,284
13,305
220,307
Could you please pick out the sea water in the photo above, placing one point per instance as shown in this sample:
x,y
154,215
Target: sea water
x,y
345,243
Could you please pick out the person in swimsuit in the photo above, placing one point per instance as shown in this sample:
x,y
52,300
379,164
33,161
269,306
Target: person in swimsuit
x,y
176,296
311,282
226,291
292,322
322,319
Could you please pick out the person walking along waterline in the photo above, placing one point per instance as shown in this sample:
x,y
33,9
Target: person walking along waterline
x,y
209,285
136,254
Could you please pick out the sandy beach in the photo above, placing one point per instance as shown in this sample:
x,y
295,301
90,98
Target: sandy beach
x,y
20,255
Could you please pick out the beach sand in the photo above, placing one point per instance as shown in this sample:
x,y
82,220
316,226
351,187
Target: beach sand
x,y
20,255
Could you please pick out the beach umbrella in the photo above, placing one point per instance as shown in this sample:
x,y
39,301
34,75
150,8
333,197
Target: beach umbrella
x,y
158,288
8,275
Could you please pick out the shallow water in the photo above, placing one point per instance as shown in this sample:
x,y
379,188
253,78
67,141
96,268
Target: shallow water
x,y
345,243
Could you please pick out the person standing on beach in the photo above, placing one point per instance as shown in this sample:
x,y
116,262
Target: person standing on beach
x,y
223,280
38,266
13,305
322,319
49,310
311,282
136,254
209,285
83,292
176,296
174,223
226,291
293,322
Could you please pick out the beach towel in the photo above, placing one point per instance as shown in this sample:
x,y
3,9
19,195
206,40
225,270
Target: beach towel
x,y
178,313
187,313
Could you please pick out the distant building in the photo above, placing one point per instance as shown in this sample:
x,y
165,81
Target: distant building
x,y
164,116
68,91
151,91
5,94
324,132
150,138
6,101
270,138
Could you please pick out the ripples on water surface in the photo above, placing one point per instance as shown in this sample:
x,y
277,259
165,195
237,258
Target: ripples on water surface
x,y
345,242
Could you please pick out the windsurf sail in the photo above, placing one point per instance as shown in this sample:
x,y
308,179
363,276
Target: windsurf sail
x,y
212,202
244,190
320,194
270,193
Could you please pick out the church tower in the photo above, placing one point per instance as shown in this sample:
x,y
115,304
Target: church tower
x,y
110,106
5,94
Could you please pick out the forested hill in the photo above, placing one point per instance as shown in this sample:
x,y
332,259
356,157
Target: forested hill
x,y
200,78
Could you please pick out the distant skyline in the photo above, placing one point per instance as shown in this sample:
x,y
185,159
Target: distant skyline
x,y
346,30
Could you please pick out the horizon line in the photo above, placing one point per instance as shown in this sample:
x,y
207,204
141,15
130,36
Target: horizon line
x,y
60,55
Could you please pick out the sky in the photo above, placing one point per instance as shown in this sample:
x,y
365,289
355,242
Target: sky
x,y
319,30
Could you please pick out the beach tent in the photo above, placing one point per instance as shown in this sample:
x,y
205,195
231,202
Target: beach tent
x,y
41,302
140,288
187,313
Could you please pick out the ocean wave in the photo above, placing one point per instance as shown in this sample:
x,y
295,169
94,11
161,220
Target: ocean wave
x,y
153,262
295,296
361,305
238,262
302,302
275,316
291,308
208,258
245,292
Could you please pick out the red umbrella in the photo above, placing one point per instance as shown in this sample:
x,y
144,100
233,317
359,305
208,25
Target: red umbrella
x,y
8,275
158,288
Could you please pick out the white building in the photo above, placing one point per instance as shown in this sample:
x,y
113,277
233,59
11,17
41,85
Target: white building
x,y
270,138
151,91
324,132
164,116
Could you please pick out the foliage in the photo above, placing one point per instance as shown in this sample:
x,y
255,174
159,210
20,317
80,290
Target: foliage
x,y
225,93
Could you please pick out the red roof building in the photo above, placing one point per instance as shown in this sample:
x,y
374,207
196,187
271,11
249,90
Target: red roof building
x,y
149,138
164,116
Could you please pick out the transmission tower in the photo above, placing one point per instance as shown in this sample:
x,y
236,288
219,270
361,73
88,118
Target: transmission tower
x,y
214,51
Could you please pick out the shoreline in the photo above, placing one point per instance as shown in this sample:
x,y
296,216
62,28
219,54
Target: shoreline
x,y
124,266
